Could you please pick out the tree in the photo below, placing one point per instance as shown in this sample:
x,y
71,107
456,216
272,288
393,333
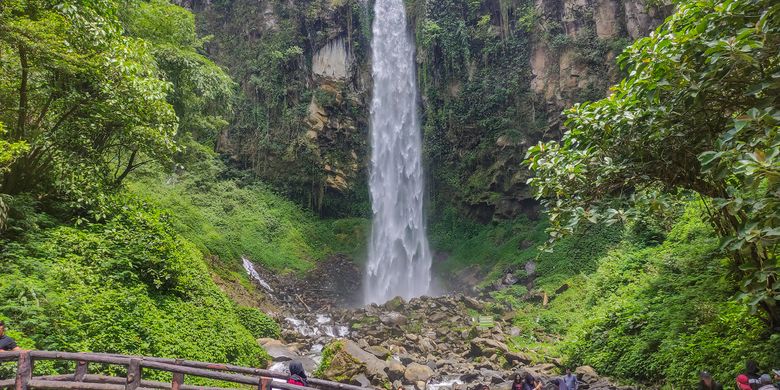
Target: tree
x,y
697,114
86,99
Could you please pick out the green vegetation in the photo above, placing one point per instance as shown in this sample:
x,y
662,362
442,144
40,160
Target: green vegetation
x,y
127,285
228,218
647,302
698,114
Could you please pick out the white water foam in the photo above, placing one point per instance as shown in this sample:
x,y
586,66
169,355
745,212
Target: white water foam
x,y
399,258
250,269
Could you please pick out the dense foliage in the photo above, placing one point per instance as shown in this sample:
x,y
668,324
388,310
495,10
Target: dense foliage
x,y
129,285
232,217
647,303
93,90
698,113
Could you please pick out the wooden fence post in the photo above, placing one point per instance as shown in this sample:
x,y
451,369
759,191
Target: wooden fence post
x,y
24,369
264,383
82,368
133,374
178,377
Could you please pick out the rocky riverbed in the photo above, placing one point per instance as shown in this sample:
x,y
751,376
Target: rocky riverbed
x,y
429,343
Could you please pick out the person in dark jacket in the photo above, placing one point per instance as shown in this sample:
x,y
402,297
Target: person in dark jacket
x,y
707,383
531,383
6,342
297,374
751,371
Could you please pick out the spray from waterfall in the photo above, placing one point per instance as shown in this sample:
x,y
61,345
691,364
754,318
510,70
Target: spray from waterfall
x,y
399,259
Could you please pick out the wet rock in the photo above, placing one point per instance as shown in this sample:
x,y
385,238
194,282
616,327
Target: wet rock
x,y
279,352
393,319
378,351
487,347
350,360
395,370
472,303
360,380
416,372
586,374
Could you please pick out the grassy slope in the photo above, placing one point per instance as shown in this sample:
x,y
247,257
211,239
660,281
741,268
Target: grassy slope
x,y
227,220
649,310
130,285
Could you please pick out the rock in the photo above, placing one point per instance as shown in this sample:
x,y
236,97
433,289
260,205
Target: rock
x,y
514,358
411,337
405,358
417,373
487,347
393,319
378,351
586,374
420,385
509,279
472,303
395,370
349,360
394,304
280,352
360,380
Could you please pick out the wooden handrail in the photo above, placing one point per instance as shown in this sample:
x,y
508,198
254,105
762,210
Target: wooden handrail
x,y
81,379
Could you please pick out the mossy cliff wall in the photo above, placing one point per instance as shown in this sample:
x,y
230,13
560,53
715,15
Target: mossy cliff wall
x,y
494,76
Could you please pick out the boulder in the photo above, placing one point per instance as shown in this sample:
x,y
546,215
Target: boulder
x,y
378,351
417,373
394,304
472,303
393,318
395,370
487,347
514,358
349,360
279,352
586,374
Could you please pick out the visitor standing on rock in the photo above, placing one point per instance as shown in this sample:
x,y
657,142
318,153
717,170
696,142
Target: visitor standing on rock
x,y
6,342
752,373
707,383
517,383
743,383
766,383
531,383
297,374
569,381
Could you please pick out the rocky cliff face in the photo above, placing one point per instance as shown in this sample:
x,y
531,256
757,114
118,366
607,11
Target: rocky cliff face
x,y
494,76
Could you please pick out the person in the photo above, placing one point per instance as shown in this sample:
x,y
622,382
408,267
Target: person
x,y
743,382
707,383
517,383
751,372
6,342
297,374
766,382
569,381
776,373
528,382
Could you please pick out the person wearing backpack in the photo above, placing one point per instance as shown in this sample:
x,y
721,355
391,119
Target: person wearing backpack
x,y
297,374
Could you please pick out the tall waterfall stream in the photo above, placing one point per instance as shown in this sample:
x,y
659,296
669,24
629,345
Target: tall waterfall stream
x,y
399,259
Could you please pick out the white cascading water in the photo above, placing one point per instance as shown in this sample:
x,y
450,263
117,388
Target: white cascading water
x,y
399,259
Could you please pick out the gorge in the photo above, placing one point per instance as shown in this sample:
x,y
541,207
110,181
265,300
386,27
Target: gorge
x,y
594,182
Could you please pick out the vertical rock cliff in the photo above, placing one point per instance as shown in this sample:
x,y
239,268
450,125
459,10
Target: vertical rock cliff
x,y
494,76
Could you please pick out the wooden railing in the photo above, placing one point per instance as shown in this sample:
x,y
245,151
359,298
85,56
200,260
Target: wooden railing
x,y
82,379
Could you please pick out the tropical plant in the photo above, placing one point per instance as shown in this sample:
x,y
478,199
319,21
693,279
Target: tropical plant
x,y
696,115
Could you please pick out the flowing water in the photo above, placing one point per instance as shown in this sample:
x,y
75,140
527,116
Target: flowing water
x,y
399,257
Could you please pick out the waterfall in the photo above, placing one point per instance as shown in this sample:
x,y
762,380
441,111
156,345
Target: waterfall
x,y
399,259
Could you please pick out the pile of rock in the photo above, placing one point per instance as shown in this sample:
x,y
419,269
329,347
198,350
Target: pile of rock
x,y
427,343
